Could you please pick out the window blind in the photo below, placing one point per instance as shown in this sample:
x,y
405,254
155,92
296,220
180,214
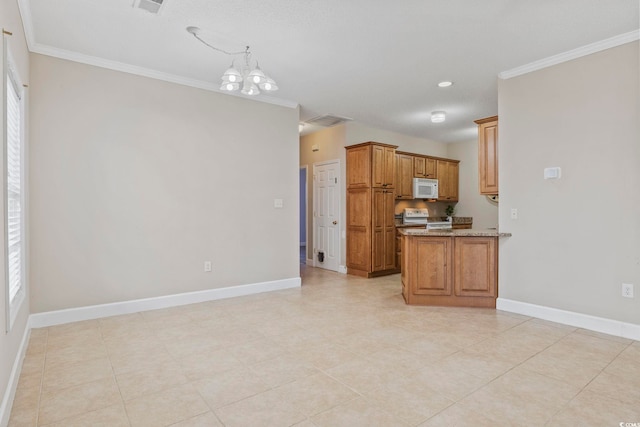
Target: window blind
x,y
14,220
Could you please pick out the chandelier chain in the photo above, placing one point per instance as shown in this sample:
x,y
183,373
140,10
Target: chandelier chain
x,y
246,51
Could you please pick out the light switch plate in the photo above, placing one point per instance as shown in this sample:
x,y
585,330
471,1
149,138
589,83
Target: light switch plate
x,y
514,213
278,203
552,173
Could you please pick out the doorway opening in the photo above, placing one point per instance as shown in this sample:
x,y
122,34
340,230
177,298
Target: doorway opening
x,y
326,214
303,214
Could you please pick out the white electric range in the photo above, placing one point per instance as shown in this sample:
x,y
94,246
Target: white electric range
x,y
421,216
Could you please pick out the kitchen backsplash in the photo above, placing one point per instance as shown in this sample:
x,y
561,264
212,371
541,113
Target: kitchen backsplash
x,y
435,208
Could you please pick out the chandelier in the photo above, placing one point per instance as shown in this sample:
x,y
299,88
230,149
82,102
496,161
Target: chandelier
x,y
248,80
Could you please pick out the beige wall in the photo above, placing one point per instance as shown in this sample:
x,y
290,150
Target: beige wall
x,y
577,239
330,142
10,342
472,203
136,182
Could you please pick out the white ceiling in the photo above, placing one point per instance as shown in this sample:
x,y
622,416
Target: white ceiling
x,y
375,61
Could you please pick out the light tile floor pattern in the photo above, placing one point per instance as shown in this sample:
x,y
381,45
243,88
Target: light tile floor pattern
x,y
340,351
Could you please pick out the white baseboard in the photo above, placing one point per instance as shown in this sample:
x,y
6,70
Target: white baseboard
x,y
579,320
310,262
50,318
12,384
342,269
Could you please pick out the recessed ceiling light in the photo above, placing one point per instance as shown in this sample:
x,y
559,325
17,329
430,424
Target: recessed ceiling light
x,y
438,116
445,83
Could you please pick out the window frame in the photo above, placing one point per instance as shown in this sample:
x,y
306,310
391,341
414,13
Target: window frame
x,y
10,76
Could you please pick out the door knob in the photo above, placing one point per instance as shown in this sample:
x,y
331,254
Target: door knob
x,y
335,222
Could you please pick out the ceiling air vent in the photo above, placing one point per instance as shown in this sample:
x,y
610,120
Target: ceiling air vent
x,y
327,120
152,6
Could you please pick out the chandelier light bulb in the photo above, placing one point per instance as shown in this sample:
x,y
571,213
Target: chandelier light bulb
x,y
257,76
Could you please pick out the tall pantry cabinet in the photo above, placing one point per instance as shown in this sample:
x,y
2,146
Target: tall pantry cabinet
x,y
371,231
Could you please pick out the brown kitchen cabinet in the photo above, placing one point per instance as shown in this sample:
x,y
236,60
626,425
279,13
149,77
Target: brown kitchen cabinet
x,y
404,176
424,167
384,231
399,241
426,269
475,267
383,166
448,177
488,155
449,271
371,234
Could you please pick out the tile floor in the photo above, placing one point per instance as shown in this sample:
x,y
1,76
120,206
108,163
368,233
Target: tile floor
x,y
340,351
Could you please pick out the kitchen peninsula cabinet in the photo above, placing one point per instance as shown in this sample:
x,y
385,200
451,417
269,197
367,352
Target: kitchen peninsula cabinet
x,y
488,155
448,177
450,268
370,209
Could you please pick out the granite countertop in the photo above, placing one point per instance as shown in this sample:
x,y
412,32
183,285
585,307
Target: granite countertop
x,y
453,233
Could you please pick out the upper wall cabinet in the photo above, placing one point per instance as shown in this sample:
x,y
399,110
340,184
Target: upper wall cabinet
x,y
384,166
404,176
424,167
448,177
371,164
488,155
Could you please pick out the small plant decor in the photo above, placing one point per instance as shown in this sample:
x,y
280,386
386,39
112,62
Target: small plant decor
x,y
450,210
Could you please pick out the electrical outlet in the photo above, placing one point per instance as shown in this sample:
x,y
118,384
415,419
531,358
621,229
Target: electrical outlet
x,y
207,266
627,290
514,213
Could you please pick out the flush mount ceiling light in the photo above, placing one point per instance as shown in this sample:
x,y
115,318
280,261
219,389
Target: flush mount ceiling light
x,y
438,116
246,79
445,83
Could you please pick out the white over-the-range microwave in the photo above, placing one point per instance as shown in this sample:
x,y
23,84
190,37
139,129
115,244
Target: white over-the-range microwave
x,y
424,188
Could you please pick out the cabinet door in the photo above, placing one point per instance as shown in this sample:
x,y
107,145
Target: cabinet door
x,y
383,166
447,180
432,269
404,176
424,167
358,167
419,167
378,230
358,229
378,177
488,157
475,272
383,231
389,167
429,168
453,178
389,231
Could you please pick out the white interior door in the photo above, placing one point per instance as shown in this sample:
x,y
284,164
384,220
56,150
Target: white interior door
x,y
326,198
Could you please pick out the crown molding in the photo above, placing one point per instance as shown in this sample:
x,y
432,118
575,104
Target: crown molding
x,y
572,54
153,74
27,23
